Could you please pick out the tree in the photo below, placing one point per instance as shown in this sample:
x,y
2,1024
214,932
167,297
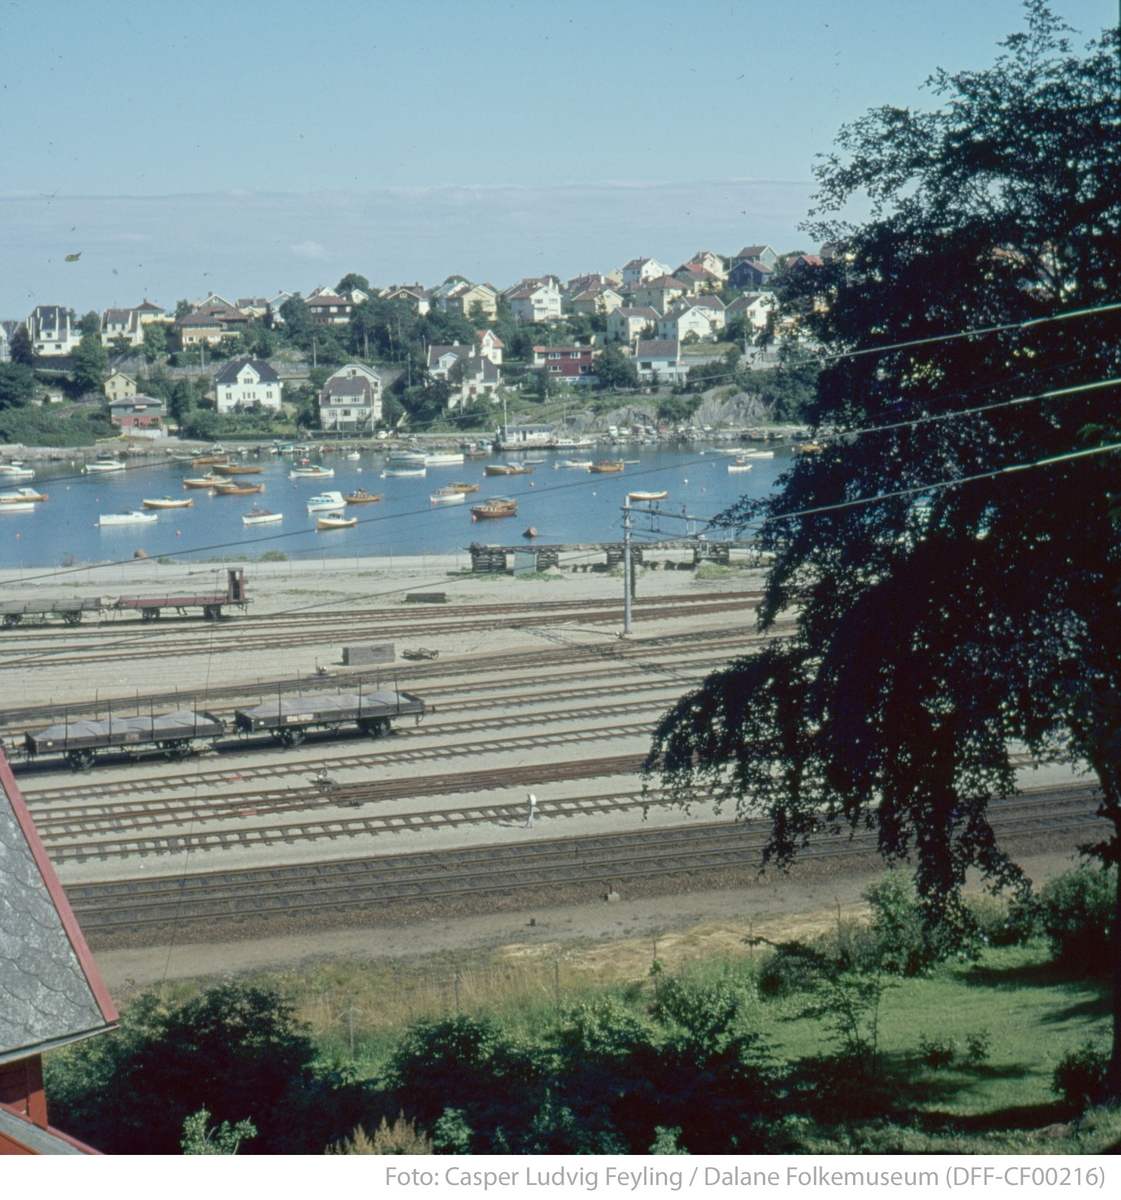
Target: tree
x,y
614,369
90,359
17,385
21,350
155,340
944,606
299,325
350,282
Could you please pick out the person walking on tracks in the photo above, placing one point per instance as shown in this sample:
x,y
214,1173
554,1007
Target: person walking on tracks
x,y
532,811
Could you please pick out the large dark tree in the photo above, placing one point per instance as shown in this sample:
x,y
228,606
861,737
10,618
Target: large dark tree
x,y
946,604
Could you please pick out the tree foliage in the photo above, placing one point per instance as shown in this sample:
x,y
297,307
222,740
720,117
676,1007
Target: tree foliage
x,y
90,359
945,605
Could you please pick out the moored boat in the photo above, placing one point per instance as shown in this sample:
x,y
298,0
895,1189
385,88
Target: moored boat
x,y
447,495
580,464
209,460
323,523
167,502
22,496
20,506
238,489
739,466
466,487
603,468
132,517
15,470
261,516
103,466
203,481
309,472
444,458
230,469
361,496
497,506
808,448
354,456
327,502
508,468
403,472
645,496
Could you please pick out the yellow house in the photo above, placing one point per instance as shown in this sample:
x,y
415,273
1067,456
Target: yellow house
x,y
119,385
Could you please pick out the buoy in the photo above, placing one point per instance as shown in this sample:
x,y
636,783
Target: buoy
x,y
178,534
531,484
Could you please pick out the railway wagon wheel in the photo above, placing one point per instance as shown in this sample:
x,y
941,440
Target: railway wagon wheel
x,y
291,737
73,617
80,760
376,727
175,751
149,614
11,619
211,612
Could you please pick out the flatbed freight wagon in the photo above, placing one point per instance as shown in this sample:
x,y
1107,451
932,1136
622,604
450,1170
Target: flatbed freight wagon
x,y
175,734
288,719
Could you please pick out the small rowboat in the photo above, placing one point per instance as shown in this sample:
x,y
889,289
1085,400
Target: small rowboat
x,y
361,496
22,496
204,481
739,466
238,489
167,502
229,469
447,495
209,460
808,448
466,487
261,516
102,466
603,468
644,496
323,523
500,506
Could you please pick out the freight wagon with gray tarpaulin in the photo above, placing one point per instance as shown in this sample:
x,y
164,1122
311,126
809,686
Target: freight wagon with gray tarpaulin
x,y
288,719
175,734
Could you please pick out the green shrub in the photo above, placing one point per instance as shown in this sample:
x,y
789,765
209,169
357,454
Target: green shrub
x,y
897,921
1076,910
1001,924
935,1053
1080,1076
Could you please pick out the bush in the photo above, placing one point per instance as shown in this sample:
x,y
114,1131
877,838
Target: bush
x,y
897,921
1000,924
936,1054
1076,910
1080,1076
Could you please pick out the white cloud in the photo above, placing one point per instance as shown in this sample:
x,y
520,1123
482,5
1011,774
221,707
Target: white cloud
x,y
309,249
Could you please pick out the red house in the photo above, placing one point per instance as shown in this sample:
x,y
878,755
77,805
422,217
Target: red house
x,y
141,416
573,362
52,992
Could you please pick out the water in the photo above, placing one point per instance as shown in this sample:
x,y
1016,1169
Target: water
x,y
563,504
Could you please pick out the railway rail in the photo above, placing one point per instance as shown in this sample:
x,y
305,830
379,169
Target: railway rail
x,y
369,887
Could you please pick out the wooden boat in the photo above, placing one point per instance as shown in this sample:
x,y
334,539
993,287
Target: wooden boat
x,y
361,496
230,469
509,468
644,496
127,518
603,468
447,495
261,516
323,523
203,481
22,496
474,454
167,502
209,460
308,472
238,489
499,506
808,448
466,487
739,466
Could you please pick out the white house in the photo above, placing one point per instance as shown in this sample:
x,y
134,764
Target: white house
x,y
537,303
625,324
244,382
661,360
756,306
351,399
678,323
51,331
638,270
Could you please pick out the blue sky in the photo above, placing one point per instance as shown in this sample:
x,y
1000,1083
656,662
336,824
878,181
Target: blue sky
x,y
253,146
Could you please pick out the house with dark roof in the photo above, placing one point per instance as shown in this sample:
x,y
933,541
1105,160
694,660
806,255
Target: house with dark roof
x,y
710,261
627,323
208,326
660,359
536,303
755,306
698,279
350,401
638,270
52,332
138,416
245,382
480,376
51,993
597,300
413,295
748,273
328,307
121,323
660,293
761,254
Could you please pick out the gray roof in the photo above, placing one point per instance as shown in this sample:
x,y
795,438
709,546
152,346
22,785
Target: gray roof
x,y
659,348
643,312
50,991
228,374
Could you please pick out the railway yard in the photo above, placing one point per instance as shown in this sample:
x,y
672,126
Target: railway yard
x,y
531,689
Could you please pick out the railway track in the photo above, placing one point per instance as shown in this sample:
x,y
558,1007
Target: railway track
x,y
218,640
370,887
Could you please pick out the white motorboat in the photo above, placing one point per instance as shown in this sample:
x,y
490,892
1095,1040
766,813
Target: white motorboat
x,y
759,454
18,507
327,502
312,473
22,496
261,516
646,496
407,458
353,456
15,470
103,466
573,443
739,467
403,472
579,464
443,459
447,495
132,517
323,524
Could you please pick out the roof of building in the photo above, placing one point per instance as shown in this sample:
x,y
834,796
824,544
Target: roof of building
x,y
138,401
435,353
713,302
753,251
50,990
659,348
663,283
575,348
642,312
696,271
229,373
148,306
752,265
351,385
496,342
740,303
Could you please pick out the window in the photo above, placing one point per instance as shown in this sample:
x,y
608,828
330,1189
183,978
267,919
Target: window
x,y
574,354
554,354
